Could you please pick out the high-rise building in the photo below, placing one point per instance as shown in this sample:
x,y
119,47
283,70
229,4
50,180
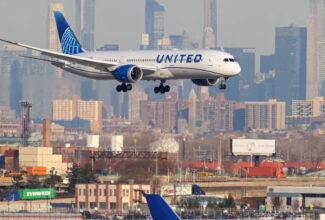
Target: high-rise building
x,y
67,110
63,110
268,115
290,64
53,41
155,25
267,63
192,111
315,48
135,98
182,42
7,57
16,86
210,21
308,108
85,23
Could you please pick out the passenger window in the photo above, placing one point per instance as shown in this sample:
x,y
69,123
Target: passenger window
x,y
226,60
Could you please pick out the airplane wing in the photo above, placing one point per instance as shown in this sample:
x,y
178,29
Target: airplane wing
x,y
98,64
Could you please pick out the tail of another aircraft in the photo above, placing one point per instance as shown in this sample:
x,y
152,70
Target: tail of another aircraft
x,y
69,42
159,209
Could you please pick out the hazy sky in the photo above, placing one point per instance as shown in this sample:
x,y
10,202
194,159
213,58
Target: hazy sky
x,y
242,23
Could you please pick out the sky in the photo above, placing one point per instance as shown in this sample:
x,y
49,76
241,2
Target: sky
x,y
241,23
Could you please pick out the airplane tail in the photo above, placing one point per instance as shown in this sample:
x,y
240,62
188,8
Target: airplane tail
x,y
159,209
69,42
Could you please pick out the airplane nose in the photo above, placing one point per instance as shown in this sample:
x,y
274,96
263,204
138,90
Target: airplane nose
x,y
237,69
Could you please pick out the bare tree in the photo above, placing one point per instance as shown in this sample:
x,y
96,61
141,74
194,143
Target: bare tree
x,y
276,203
295,205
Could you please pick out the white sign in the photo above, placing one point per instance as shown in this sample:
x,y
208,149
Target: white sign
x,y
253,147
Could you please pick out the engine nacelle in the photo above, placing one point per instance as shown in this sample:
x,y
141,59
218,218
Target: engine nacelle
x,y
205,82
128,74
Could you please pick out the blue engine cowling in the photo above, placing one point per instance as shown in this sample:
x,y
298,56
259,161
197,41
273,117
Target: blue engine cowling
x,y
205,82
128,73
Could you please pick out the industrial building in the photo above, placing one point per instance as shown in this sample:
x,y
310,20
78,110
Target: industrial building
x,y
295,199
110,197
41,157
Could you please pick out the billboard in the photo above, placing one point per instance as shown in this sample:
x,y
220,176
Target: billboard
x,y
253,147
43,193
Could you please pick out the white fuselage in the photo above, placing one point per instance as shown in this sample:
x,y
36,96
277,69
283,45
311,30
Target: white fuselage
x,y
168,64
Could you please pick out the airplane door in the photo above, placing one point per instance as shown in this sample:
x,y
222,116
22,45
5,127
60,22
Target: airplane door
x,y
212,61
122,60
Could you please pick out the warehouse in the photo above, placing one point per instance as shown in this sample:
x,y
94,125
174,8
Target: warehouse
x,y
295,199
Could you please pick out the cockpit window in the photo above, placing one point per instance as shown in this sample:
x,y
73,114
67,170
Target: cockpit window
x,y
229,60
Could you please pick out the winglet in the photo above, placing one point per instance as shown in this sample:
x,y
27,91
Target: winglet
x,y
159,209
69,42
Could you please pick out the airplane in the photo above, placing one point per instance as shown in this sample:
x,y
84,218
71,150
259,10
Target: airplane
x,y
203,67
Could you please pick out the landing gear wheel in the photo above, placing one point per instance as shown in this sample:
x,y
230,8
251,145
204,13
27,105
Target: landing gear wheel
x,y
129,87
162,89
124,88
222,86
119,88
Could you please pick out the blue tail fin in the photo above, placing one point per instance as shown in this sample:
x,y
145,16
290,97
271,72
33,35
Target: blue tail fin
x,y
69,43
159,209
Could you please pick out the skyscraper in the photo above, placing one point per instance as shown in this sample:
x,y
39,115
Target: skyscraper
x,y
315,48
290,64
155,26
210,24
53,41
85,23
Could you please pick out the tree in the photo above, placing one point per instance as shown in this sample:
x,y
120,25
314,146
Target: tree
x,y
33,182
17,182
295,205
229,202
276,203
78,175
52,181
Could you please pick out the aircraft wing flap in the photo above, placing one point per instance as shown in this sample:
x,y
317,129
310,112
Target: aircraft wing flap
x,y
103,65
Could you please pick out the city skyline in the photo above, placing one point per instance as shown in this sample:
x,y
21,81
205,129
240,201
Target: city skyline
x,y
258,33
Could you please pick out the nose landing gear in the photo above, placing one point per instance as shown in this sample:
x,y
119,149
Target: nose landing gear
x,y
161,88
124,87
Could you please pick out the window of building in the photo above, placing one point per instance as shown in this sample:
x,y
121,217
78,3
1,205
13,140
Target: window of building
x,y
127,192
100,192
105,192
92,205
95,192
90,192
84,192
112,206
102,205
126,206
82,205
123,193
114,192
289,201
79,192
111,192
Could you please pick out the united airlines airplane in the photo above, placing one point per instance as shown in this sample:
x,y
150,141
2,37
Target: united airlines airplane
x,y
203,67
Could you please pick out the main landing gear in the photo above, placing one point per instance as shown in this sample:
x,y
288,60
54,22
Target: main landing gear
x,y
161,88
124,87
222,85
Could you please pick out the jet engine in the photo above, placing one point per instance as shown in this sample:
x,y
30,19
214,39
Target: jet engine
x,y
128,74
205,82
